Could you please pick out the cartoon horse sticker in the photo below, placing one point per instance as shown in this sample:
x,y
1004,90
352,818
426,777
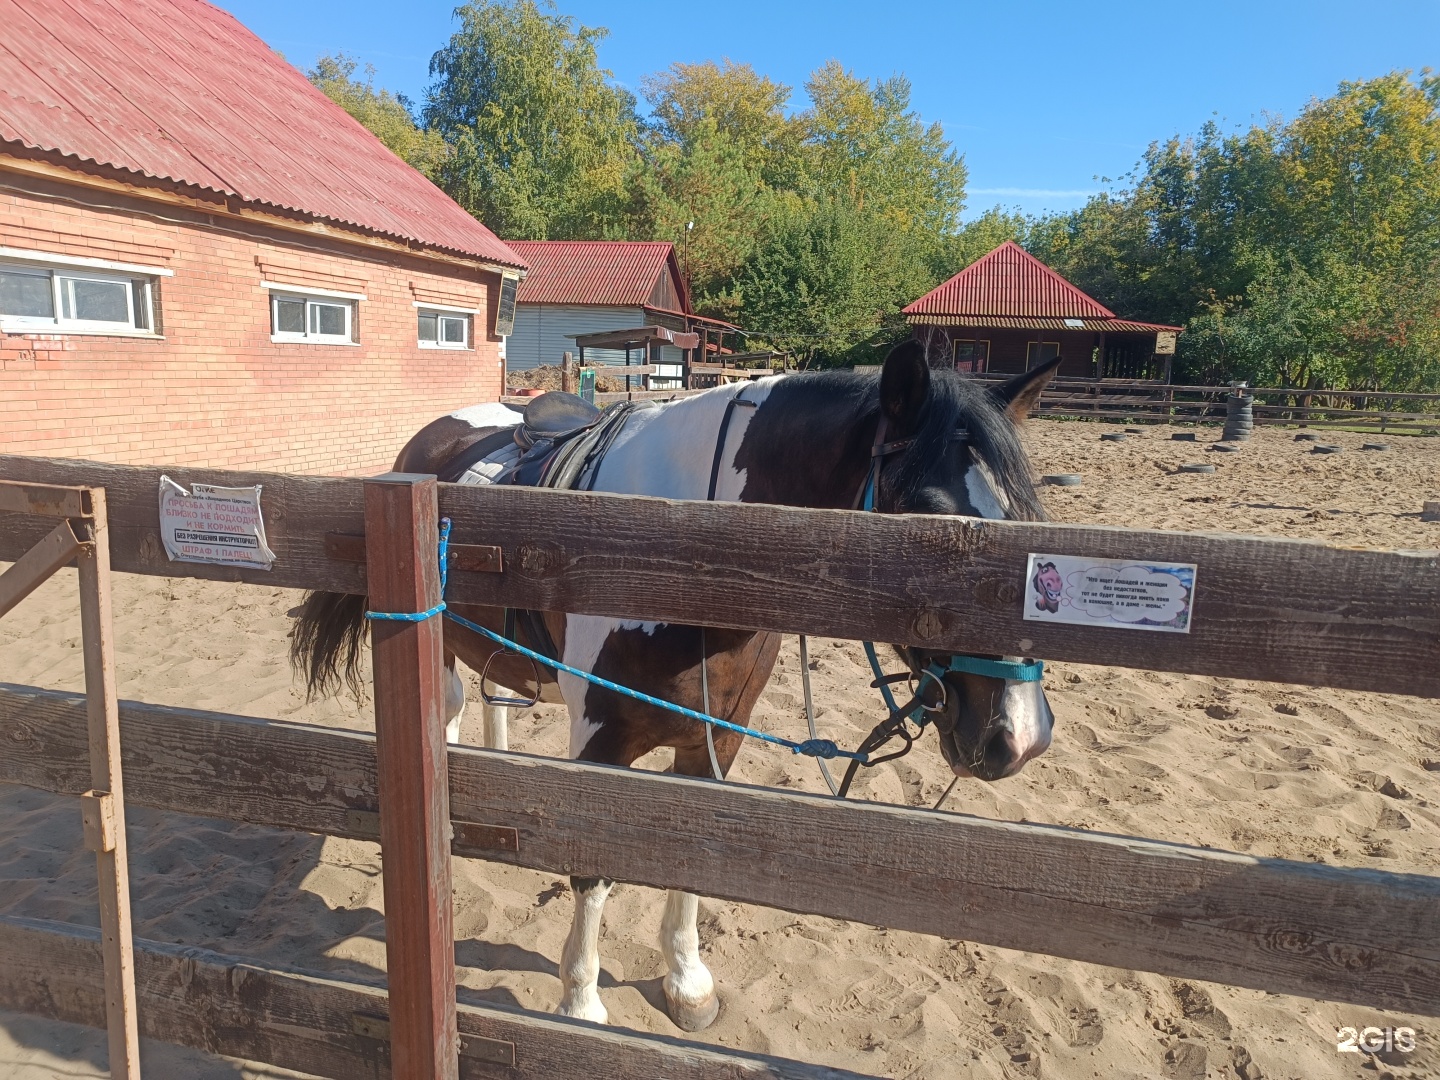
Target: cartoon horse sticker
x,y
1047,584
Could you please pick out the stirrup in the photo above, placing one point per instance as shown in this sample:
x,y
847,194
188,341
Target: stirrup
x,y
501,699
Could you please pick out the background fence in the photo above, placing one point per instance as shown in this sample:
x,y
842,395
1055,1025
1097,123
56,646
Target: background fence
x,y
1134,399
1268,609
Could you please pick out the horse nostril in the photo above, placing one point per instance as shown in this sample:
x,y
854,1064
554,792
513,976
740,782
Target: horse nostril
x,y
998,755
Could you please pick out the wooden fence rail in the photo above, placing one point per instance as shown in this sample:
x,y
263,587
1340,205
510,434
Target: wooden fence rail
x,y
1277,609
331,1027
1287,927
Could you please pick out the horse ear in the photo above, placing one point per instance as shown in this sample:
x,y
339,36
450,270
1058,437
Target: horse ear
x,y
904,386
1020,395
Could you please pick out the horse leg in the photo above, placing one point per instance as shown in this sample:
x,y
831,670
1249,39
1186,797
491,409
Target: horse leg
x,y
580,959
454,699
497,725
690,996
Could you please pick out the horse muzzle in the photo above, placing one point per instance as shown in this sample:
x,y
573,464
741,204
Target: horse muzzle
x,y
990,727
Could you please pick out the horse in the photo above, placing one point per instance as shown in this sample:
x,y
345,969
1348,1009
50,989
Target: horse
x,y
917,440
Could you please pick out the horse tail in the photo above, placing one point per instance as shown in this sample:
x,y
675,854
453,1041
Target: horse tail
x,y
325,643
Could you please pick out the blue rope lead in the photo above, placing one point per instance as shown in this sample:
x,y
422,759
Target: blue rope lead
x,y
817,748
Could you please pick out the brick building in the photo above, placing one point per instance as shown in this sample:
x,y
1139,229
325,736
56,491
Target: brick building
x,y
204,261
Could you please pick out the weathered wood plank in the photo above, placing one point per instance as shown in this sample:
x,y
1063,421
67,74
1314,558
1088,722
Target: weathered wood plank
x,y
1314,930
298,511
308,1022
402,531
1285,610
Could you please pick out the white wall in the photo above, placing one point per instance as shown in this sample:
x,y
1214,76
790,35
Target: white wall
x,y
541,329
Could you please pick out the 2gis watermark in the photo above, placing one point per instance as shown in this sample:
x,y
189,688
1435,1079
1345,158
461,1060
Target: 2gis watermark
x,y
1375,1040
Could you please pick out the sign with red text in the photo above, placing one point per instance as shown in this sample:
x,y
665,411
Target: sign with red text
x,y
210,524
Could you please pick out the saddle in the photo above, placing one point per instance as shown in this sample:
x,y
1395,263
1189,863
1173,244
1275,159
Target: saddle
x,y
557,444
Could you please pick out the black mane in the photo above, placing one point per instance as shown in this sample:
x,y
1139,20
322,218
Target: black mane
x,y
954,403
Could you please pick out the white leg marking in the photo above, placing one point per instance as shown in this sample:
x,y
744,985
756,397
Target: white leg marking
x,y
580,961
496,719
454,703
689,986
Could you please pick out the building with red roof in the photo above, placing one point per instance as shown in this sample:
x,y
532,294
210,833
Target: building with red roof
x,y
203,260
1009,312
577,287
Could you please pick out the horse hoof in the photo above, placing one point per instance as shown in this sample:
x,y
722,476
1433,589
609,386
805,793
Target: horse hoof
x,y
587,1009
688,1017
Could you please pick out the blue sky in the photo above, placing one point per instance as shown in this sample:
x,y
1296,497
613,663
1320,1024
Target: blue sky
x,y
1041,98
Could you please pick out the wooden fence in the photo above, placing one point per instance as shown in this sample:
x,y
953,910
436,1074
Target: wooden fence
x,y
1268,609
1137,399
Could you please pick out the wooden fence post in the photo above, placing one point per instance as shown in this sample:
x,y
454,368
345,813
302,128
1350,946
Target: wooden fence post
x,y
401,544
104,805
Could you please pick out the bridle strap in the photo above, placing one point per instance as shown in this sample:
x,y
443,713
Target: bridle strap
x,y
1013,670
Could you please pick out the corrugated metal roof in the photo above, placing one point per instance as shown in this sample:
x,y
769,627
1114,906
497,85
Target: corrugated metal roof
x,y
1009,281
178,90
1004,322
610,272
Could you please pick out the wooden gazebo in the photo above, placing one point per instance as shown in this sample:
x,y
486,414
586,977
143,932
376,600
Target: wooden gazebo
x,y
1009,312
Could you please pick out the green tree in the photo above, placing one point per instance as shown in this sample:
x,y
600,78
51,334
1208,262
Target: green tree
x,y
386,115
542,141
1306,251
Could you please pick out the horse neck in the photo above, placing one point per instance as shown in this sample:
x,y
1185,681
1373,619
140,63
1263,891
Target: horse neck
x,y
812,448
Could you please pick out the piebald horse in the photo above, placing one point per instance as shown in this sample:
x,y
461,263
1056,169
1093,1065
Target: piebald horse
x,y
945,445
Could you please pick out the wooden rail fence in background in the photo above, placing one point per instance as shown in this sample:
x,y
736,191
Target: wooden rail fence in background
x,y
1140,399
1264,608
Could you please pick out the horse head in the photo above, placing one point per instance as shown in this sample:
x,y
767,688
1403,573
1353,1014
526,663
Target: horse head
x,y
962,455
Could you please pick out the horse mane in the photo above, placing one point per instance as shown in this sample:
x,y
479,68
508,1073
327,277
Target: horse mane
x,y
954,403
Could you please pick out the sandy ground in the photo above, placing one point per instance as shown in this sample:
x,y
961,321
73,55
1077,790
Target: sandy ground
x,y
1331,776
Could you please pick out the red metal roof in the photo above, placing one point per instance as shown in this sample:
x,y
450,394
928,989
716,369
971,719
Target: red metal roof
x,y
180,91
1009,281
618,273
1035,322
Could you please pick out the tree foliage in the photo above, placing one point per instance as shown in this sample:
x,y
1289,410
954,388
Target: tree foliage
x,y
386,115
541,140
1303,252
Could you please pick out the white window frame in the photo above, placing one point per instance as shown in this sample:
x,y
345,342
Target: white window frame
x,y
60,269
443,311
310,297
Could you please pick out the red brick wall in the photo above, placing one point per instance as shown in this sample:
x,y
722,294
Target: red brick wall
x,y
217,392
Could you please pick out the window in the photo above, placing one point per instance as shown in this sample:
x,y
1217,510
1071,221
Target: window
x,y
442,329
1040,352
56,299
971,355
317,320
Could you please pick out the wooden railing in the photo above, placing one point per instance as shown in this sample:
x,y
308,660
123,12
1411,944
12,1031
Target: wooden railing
x,y
1268,609
1137,399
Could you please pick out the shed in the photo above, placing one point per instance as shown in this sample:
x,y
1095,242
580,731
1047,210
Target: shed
x,y
580,287
205,261
1009,312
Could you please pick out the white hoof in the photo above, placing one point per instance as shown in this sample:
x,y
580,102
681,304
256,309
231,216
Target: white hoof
x,y
584,1007
692,1003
